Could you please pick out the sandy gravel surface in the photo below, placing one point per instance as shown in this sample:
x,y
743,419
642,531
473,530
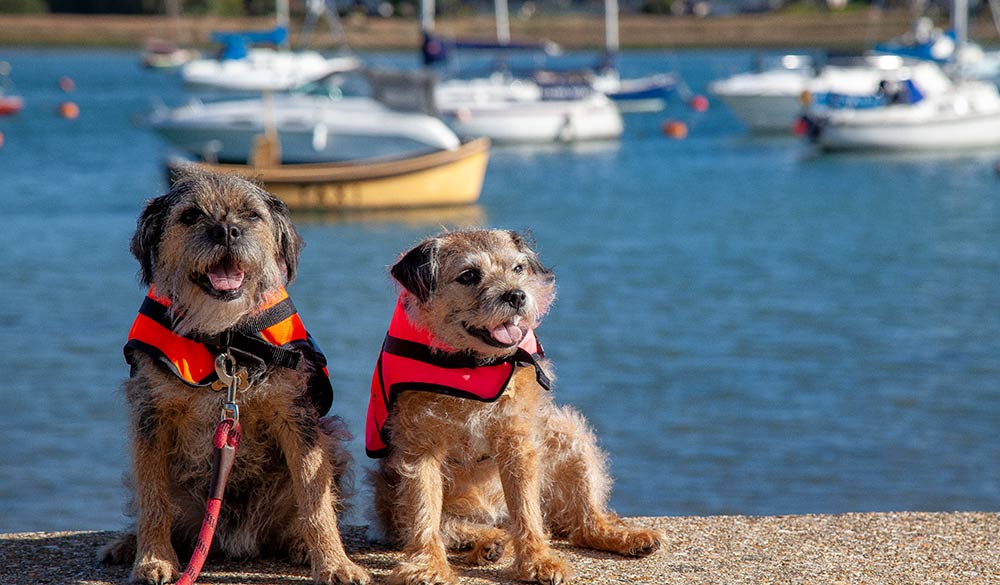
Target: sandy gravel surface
x,y
852,30
903,548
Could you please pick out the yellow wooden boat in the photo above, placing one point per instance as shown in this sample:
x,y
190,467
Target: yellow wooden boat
x,y
441,178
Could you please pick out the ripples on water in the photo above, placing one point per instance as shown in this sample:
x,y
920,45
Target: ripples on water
x,y
749,327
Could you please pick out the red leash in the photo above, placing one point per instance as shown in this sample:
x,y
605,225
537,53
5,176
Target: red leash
x,y
227,437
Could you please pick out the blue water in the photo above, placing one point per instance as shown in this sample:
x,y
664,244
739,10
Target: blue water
x,y
750,327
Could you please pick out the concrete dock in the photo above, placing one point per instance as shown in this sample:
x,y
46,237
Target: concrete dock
x,y
894,548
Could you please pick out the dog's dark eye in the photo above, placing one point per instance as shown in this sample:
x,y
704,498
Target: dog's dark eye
x,y
191,216
253,216
519,269
467,277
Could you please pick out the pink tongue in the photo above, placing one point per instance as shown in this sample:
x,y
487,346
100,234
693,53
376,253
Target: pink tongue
x,y
507,334
225,277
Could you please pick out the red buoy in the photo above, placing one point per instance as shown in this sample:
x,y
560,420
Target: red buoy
x,y
699,103
66,84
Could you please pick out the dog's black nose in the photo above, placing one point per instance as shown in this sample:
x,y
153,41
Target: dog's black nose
x,y
225,233
515,298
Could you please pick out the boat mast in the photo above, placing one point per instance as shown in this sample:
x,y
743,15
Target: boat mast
x,y
960,22
427,16
281,13
611,26
503,22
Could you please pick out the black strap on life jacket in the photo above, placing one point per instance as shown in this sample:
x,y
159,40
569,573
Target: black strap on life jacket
x,y
256,354
422,353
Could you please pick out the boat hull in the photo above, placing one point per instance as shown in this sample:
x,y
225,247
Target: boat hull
x,y
539,122
444,178
765,113
968,132
311,129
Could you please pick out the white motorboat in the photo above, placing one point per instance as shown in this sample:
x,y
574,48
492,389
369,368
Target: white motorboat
x,y
514,110
264,69
594,117
917,107
241,67
311,128
771,100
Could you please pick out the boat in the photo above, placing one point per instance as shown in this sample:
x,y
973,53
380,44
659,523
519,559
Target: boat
x,y
163,54
918,107
508,109
315,124
439,179
243,67
641,94
770,100
524,116
10,102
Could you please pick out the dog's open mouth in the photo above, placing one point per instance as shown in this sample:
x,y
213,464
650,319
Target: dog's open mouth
x,y
223,280
507,334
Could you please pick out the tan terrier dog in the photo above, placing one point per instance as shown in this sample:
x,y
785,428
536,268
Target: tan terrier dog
x,y
217,252
469,435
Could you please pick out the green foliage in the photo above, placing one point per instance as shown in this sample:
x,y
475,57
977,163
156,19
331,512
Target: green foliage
x,y
23,6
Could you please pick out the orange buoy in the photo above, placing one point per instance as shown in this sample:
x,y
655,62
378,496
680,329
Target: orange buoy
x,y
69,110
66,84
699,103
675,129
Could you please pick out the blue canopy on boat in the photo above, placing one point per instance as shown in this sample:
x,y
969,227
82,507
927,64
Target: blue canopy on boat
x,y
235,44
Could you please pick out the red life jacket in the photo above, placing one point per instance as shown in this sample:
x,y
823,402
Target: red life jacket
x,y
408,363
273,337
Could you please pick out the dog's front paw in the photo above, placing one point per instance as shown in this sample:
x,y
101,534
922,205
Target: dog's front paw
x,y
487,548
547,569
642,542
417,573
154,571
345,573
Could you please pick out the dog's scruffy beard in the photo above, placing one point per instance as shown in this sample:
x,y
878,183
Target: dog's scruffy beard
x,y
476,292
216,247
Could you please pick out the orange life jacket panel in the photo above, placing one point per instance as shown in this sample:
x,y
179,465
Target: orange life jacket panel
x,y
408,363
273,337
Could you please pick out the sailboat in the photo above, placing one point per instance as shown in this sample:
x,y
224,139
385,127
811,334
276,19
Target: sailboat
x,y
159,53
642,94
916,108
243,65
507,109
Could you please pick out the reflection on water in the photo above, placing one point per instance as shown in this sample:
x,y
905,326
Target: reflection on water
x,y
459,216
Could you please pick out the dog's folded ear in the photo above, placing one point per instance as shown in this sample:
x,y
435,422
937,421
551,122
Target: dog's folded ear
x,y
417,270
149,230
525,245
289,241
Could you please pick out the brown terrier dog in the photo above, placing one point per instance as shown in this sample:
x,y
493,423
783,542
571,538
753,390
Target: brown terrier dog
x,y
217,252
469,435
